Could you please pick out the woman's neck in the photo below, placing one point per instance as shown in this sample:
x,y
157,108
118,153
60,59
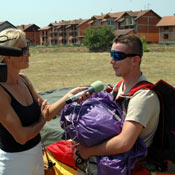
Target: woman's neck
x,y
12,78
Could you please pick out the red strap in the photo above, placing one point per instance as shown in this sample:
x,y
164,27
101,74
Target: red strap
x,y
118,85
141,85
139,169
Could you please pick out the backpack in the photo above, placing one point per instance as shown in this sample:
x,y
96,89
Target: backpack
x,y
163,145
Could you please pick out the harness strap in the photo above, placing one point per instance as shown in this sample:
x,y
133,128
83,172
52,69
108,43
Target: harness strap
x,y
115,90
141,85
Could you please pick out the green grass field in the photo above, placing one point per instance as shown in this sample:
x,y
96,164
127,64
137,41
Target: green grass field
x,y
60,67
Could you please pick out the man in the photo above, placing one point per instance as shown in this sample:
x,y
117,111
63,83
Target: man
x,y
143,110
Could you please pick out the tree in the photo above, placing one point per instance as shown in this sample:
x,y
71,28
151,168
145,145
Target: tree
x,y
99,39
143,39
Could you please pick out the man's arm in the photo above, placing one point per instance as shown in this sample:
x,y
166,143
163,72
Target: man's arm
x,y
116,145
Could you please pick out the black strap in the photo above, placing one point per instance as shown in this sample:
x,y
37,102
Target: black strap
x,y
11,93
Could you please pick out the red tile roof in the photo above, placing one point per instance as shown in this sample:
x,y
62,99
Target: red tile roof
x,y
24,27
119,15
45,28
72,22
98,17
2,22
115,15
166,21
123,31
84,21
142,12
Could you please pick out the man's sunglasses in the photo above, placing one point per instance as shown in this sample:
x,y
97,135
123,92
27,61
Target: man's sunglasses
x,y
117,55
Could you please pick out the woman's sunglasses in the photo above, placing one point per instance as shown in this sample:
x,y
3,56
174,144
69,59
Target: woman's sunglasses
x,y
117,55
25,50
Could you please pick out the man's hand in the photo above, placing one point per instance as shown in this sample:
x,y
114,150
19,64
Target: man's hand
x,y
84,151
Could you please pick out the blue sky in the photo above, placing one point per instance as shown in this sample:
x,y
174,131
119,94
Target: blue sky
x,y
43,12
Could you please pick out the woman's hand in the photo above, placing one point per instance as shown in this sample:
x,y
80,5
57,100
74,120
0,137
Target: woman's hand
x,y
44,109
74,91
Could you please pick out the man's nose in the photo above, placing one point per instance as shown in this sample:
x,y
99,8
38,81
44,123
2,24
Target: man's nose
x,y
112,61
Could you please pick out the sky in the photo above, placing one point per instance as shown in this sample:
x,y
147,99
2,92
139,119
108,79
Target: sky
x,y
44,12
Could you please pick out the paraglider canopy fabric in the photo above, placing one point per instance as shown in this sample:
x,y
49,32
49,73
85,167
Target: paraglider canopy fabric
x,y
52,131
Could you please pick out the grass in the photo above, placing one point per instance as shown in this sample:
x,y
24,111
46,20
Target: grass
x,y
60,67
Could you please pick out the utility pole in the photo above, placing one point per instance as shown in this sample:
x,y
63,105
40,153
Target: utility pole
x,y
147,6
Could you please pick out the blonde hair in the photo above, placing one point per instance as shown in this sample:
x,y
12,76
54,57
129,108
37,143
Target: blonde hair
x,y
10,37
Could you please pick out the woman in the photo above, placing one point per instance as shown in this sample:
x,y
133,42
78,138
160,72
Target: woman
x,y
23,113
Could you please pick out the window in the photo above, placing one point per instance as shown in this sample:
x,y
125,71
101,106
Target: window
x,y
149,19
74,33
74,41
63,34
110,22
166,36
64,41
63,29
165,27
97,22
128,21
73,27
44,32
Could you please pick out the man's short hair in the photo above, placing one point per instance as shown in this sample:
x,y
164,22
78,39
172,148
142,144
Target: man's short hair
x,y
133,42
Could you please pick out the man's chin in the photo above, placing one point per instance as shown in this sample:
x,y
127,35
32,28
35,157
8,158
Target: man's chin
x,y
117,74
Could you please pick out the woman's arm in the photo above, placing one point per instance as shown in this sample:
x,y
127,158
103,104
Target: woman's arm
x,y
56,107
10,120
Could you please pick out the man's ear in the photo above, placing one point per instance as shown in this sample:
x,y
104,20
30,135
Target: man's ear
x,y
137,59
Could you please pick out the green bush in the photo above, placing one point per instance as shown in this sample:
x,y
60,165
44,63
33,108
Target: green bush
x,y
99,39
145,48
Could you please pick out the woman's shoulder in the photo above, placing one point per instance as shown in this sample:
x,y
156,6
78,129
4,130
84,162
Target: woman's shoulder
x,y
26,80
4,96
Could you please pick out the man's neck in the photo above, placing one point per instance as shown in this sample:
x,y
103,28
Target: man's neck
x,y
130,80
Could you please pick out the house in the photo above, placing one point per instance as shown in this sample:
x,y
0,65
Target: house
x,y
32,33
5,25
141,23
146,21
62,33
96,21
166,28
45,38
53,33
70,32
81,28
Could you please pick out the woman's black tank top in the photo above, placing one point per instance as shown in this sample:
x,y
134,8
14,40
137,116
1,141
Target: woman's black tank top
x,y
28,115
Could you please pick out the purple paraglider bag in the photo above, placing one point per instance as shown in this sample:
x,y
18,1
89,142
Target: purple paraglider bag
x,y
92,121
95,120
